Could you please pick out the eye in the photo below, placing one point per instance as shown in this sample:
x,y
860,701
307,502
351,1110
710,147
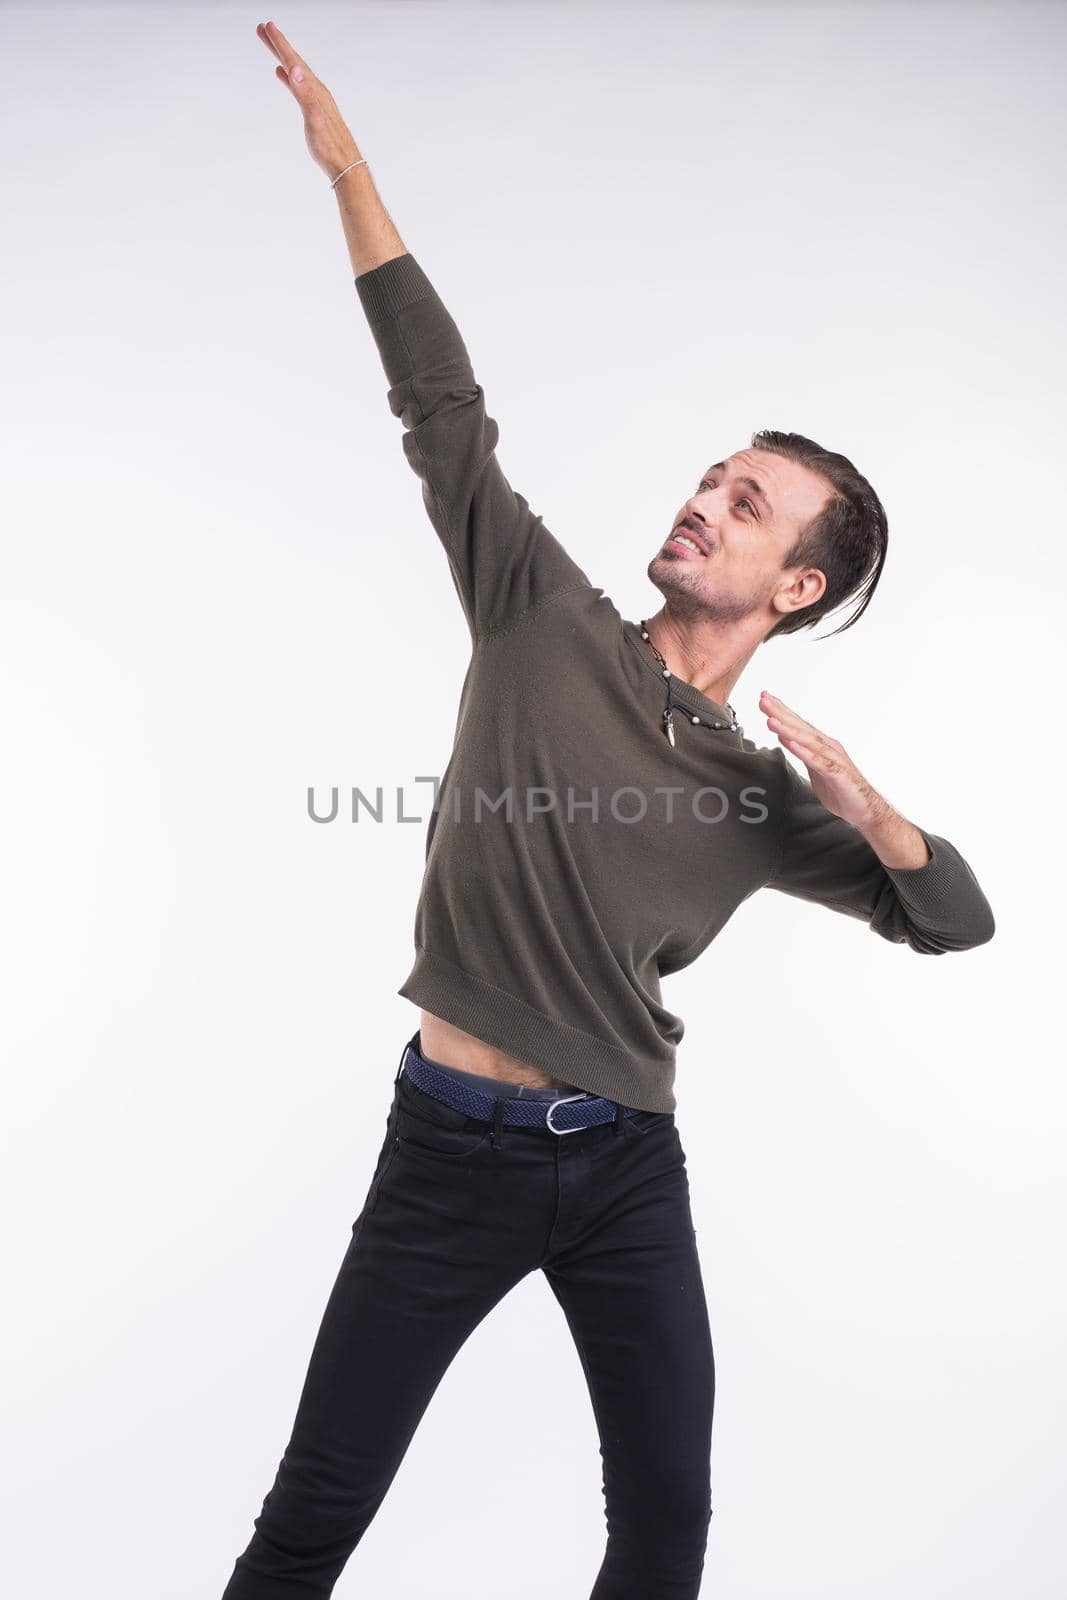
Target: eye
x,y
706,484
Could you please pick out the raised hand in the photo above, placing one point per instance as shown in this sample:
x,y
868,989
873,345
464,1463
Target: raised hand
x,y
835,778
328,139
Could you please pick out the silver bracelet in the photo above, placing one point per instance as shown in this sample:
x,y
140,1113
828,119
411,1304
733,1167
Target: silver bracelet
x,y
343,170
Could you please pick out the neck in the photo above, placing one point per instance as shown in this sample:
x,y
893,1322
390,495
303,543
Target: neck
x,y
702,653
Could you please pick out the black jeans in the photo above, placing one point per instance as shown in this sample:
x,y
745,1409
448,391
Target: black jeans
x,y
450,1223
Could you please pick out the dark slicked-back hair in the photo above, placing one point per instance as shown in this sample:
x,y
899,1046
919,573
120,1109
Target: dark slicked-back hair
x,y
847,541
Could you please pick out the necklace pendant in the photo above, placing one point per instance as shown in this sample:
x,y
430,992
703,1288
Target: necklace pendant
x,y
668,727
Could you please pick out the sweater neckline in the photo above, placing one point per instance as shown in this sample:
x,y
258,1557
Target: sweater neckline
x,y
683,694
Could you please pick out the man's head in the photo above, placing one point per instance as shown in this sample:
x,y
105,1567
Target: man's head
x,y
787,532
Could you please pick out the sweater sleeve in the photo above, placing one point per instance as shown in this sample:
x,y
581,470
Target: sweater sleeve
x,y
932,909
503,560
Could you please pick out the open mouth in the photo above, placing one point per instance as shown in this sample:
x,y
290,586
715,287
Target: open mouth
x,y
685,541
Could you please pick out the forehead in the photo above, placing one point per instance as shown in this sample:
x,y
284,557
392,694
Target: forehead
x,y
795,493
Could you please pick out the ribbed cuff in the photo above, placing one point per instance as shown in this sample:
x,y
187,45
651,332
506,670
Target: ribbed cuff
x,y
944,889
386,290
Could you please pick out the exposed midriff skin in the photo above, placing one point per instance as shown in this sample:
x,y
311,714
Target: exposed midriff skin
x,y
453,1047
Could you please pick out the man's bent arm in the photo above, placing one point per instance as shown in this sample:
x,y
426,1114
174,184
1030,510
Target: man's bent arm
x,y
934,905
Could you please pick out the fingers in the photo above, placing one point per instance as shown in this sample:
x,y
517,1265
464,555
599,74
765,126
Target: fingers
x,y
779,712
803,738
815,759
791,739
803,752
275,40
261,29
778,708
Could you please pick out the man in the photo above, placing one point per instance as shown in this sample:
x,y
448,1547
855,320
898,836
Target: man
x,y
601,817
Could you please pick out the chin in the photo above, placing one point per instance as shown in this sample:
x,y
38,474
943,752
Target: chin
x,y
668,572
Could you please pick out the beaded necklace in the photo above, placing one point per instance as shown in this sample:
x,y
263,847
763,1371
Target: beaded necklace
x,y
668,713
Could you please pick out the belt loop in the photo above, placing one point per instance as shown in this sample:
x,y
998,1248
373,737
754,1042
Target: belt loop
x,y
411,1045
620,1112
496,1138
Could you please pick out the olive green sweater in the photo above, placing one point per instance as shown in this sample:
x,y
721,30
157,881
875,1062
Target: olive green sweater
x,y
574,858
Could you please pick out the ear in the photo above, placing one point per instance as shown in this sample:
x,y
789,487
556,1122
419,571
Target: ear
x,y
801,587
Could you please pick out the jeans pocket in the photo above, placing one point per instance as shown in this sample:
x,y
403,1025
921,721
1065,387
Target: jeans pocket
x,y
643,1122
433,1129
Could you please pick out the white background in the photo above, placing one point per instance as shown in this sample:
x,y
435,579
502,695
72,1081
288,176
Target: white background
x,y
659,227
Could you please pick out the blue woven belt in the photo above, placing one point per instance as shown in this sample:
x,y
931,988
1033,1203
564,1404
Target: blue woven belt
x,y
564,1115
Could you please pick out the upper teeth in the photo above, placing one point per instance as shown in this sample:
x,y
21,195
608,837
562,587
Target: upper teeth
x,y
683,538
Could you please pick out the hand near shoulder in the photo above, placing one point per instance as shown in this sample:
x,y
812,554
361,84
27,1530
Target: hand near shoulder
x,y
841,787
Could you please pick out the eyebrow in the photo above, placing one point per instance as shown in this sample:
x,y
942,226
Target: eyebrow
x,y
749,483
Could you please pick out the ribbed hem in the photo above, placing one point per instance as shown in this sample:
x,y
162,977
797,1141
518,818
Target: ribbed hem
x,y
385,291
508,1023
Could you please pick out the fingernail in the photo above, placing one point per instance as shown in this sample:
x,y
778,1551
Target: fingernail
x,y
298,74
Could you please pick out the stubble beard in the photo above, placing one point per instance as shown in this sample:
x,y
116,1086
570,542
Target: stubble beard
x,y
687,596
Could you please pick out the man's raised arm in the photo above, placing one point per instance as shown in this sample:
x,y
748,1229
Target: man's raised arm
x,y
504,561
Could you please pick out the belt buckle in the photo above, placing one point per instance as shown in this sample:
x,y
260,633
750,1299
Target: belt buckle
x,y
562,1101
